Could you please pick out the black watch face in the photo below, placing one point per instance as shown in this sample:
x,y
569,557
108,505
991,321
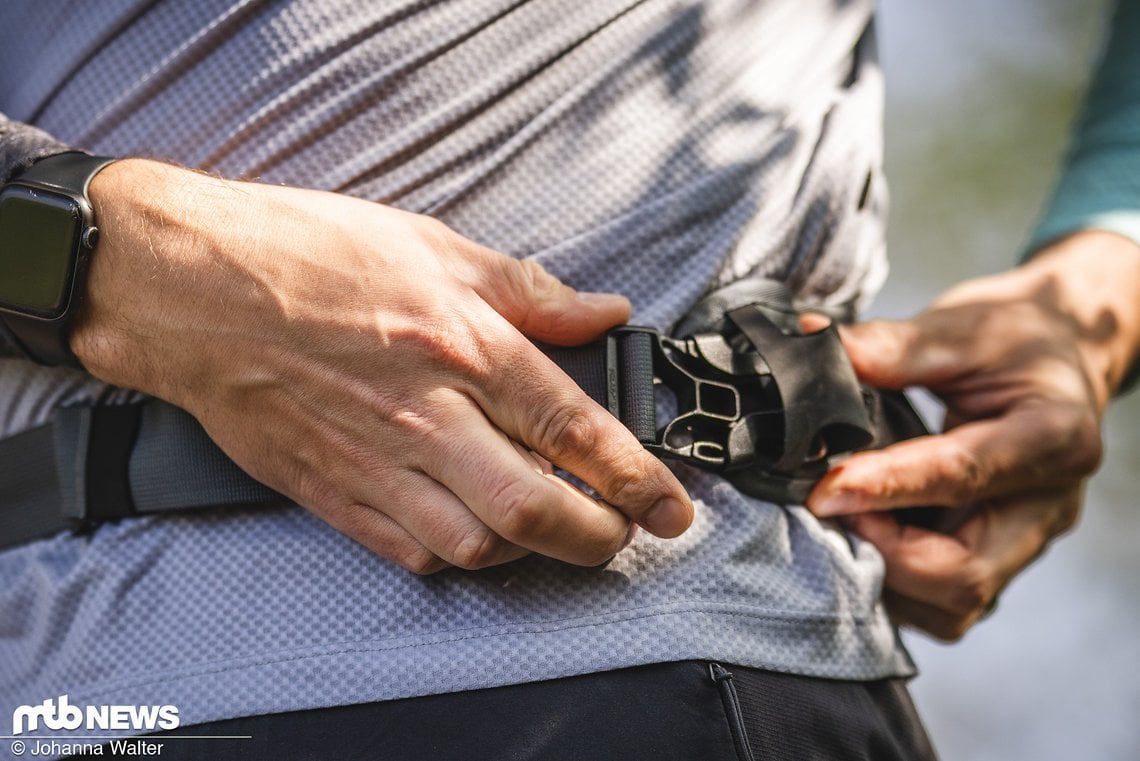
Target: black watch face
x,y
39,238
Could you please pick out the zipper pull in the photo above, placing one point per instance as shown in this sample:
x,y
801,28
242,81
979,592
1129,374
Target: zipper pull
x,y
719,673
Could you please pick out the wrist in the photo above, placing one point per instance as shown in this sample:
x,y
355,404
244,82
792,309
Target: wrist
x,y
148,276
1092,278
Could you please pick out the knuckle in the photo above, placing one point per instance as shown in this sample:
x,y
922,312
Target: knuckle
x,y
419,560
426,425
889,484
965,476
434,232
405,552
520,512
415,424
534,278
445,341
973,593
1071,435
1066,518
952,630
478,548
626,481
1085,449
566,432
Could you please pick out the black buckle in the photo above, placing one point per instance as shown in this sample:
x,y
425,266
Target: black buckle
x,y
716,390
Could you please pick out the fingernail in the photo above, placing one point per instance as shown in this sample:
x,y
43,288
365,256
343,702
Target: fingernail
x,y
667,518
839,503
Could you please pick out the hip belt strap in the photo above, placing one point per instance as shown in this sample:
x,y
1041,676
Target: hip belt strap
x,y
752,399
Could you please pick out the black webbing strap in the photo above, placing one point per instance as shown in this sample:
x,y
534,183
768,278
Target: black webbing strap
x,y
27,463
756,402
93,464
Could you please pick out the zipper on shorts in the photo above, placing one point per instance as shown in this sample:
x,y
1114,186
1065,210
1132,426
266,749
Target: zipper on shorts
x,y
731,700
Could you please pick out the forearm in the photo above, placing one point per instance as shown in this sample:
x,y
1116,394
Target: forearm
x,y
1092,279
1099,190
1099,186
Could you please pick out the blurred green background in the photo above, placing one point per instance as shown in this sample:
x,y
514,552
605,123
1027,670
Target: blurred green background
x,y
980,96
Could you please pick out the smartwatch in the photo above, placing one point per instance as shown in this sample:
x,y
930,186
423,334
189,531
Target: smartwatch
x,y
47,234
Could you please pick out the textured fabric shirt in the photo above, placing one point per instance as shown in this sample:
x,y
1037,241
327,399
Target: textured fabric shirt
x,y
658,149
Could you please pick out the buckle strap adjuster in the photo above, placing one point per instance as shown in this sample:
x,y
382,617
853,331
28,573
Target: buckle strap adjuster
x,y
710,391
761,405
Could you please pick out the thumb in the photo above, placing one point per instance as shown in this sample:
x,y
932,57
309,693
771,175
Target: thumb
x,y
544,308
898,354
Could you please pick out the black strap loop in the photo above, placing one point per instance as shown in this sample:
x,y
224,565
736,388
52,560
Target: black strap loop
x,y
92,447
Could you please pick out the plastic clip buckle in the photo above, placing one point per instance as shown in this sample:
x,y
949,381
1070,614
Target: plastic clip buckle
x,y
714,389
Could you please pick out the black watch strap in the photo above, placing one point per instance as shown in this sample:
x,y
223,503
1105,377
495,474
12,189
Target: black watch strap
x,y
46,341
68,173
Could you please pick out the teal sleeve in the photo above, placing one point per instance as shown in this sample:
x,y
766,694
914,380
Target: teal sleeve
x,y
1099,186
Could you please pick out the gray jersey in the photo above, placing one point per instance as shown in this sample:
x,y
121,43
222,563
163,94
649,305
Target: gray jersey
x,y
655,148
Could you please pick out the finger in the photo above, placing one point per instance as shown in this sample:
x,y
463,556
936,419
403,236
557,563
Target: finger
x,y
1028,448
506,489
944,572
445,525
963,574
898,354
946,626
382,535
813,322
540,305
551,415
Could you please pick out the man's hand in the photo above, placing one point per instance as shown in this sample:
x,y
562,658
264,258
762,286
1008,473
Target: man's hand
x,y
370,364
1026,362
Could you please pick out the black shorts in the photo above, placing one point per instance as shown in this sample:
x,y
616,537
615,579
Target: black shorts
x,y
687,711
